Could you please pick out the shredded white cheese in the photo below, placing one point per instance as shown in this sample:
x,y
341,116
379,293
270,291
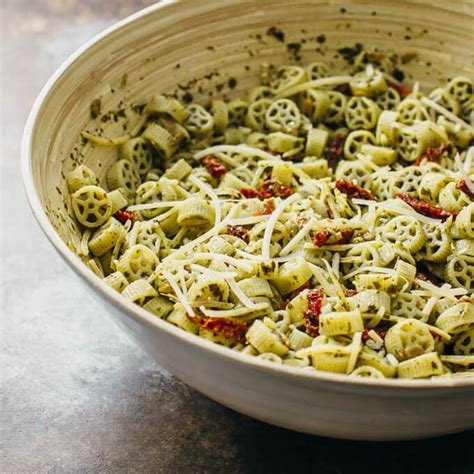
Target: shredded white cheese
x,y
233,313
182,299
212,273
244,299
210,192
224,258
303,232
446,113
325,81
274,216
242,149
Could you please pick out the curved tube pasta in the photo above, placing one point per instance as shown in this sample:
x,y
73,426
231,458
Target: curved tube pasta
x,y
265,340
106,237
117,281
457,318
159,306
195,212
331,358
292,275
161,104
423,366
379,155
385,132
340,323
316,142
370,301
369,85
314,104
378,362
79,177
139,291
209,289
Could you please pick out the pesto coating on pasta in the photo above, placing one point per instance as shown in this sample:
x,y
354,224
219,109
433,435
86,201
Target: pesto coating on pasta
x,y
324,220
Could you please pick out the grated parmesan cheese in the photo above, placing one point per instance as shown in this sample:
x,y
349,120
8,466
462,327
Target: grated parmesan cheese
x,y
274,216
325,81
209,191
242,149
446,113
174,285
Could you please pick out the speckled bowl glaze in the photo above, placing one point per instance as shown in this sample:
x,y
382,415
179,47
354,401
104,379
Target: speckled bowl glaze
x,y
172,43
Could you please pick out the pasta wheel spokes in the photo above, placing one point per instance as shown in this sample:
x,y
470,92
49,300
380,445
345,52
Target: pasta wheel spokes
x,y
91,206
283,116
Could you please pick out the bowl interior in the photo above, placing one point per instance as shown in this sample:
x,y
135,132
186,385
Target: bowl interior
x,y
197,47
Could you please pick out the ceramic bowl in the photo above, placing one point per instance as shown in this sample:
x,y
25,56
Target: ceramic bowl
x,y
162,49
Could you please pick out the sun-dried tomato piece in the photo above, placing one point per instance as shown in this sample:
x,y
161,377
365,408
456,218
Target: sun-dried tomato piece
x,y
344,88
432,154
349,293
124,216
321,237
239,231
226,327
402,90
272,188
346,236
334,150
353,190
267,189
329,212
268,208
249,193
315,302
366,336
426,209
214,166
462,186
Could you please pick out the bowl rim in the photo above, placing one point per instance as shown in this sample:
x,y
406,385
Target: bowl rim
x,y
138,313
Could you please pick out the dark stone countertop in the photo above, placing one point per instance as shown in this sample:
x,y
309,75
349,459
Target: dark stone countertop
x,y
77,396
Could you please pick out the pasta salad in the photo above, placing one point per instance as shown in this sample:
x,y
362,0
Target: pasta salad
x,y
325,222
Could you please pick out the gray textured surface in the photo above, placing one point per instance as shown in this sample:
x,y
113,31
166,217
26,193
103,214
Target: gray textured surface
x,y
77,396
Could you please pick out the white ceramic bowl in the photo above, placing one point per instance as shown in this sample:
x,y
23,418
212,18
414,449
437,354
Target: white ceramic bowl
x,y
203,36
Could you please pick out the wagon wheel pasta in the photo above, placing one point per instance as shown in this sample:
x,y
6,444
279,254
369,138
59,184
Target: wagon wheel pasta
x,y
322,222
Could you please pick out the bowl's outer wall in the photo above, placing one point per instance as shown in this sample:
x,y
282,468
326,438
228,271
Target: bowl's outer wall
x,y
148,49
